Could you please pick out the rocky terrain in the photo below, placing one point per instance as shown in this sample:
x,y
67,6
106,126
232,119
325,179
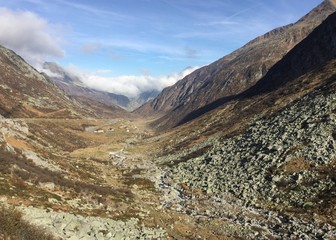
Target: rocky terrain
x,y
70,226
259,164
90,178
233,73
285,162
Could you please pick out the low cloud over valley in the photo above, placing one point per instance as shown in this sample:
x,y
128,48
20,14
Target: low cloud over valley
x,y
128,85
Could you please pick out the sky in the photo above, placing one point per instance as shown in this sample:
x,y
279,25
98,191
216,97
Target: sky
x,y
130,46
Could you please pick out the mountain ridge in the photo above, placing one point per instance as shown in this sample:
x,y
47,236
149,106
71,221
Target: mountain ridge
x,y
294,64
25,92
229,75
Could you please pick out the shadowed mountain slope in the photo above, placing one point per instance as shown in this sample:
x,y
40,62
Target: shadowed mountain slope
x,y
309,66
232,74
271,148
317,51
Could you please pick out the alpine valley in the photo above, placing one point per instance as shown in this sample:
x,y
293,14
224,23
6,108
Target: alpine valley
x,y
244,148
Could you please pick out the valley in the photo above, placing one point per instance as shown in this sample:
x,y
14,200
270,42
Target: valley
x,y
244,148
69,170
120,179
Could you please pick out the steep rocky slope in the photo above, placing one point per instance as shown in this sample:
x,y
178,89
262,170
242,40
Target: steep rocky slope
x,y
233,73
283,166
315,51
271,150
27,93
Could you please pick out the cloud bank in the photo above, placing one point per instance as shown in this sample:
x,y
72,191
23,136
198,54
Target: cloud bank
x,y
129,85
28,35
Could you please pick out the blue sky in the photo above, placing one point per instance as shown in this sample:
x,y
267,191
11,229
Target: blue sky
x,y
112,39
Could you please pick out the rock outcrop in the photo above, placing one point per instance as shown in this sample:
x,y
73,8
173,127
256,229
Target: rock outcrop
x,y
71,226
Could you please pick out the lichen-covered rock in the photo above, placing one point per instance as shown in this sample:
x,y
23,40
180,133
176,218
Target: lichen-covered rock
x,y
286,159
70,226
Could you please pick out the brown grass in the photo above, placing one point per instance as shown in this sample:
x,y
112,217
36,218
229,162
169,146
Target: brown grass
x,y
28,171
296,165
13,227
16,143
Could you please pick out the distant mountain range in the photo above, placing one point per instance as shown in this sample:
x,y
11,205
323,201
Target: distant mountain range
x,y
232,74
75,88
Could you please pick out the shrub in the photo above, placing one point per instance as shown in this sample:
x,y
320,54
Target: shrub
x,y
13,227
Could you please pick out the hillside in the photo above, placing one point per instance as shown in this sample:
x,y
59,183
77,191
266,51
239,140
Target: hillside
x,y
279,170
257,163
297,63
233,73
271,150
27,93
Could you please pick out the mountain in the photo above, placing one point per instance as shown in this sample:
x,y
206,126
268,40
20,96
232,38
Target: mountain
x,y
27,93
142,99
271,148
233,73
308,66
316,51
75,88
257,164
24,92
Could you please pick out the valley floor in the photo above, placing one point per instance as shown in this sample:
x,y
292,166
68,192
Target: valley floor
x,y
94,179
117,179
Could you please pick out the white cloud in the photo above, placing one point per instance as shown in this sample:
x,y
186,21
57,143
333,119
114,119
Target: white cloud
x,y
28,35
129,85
50,73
